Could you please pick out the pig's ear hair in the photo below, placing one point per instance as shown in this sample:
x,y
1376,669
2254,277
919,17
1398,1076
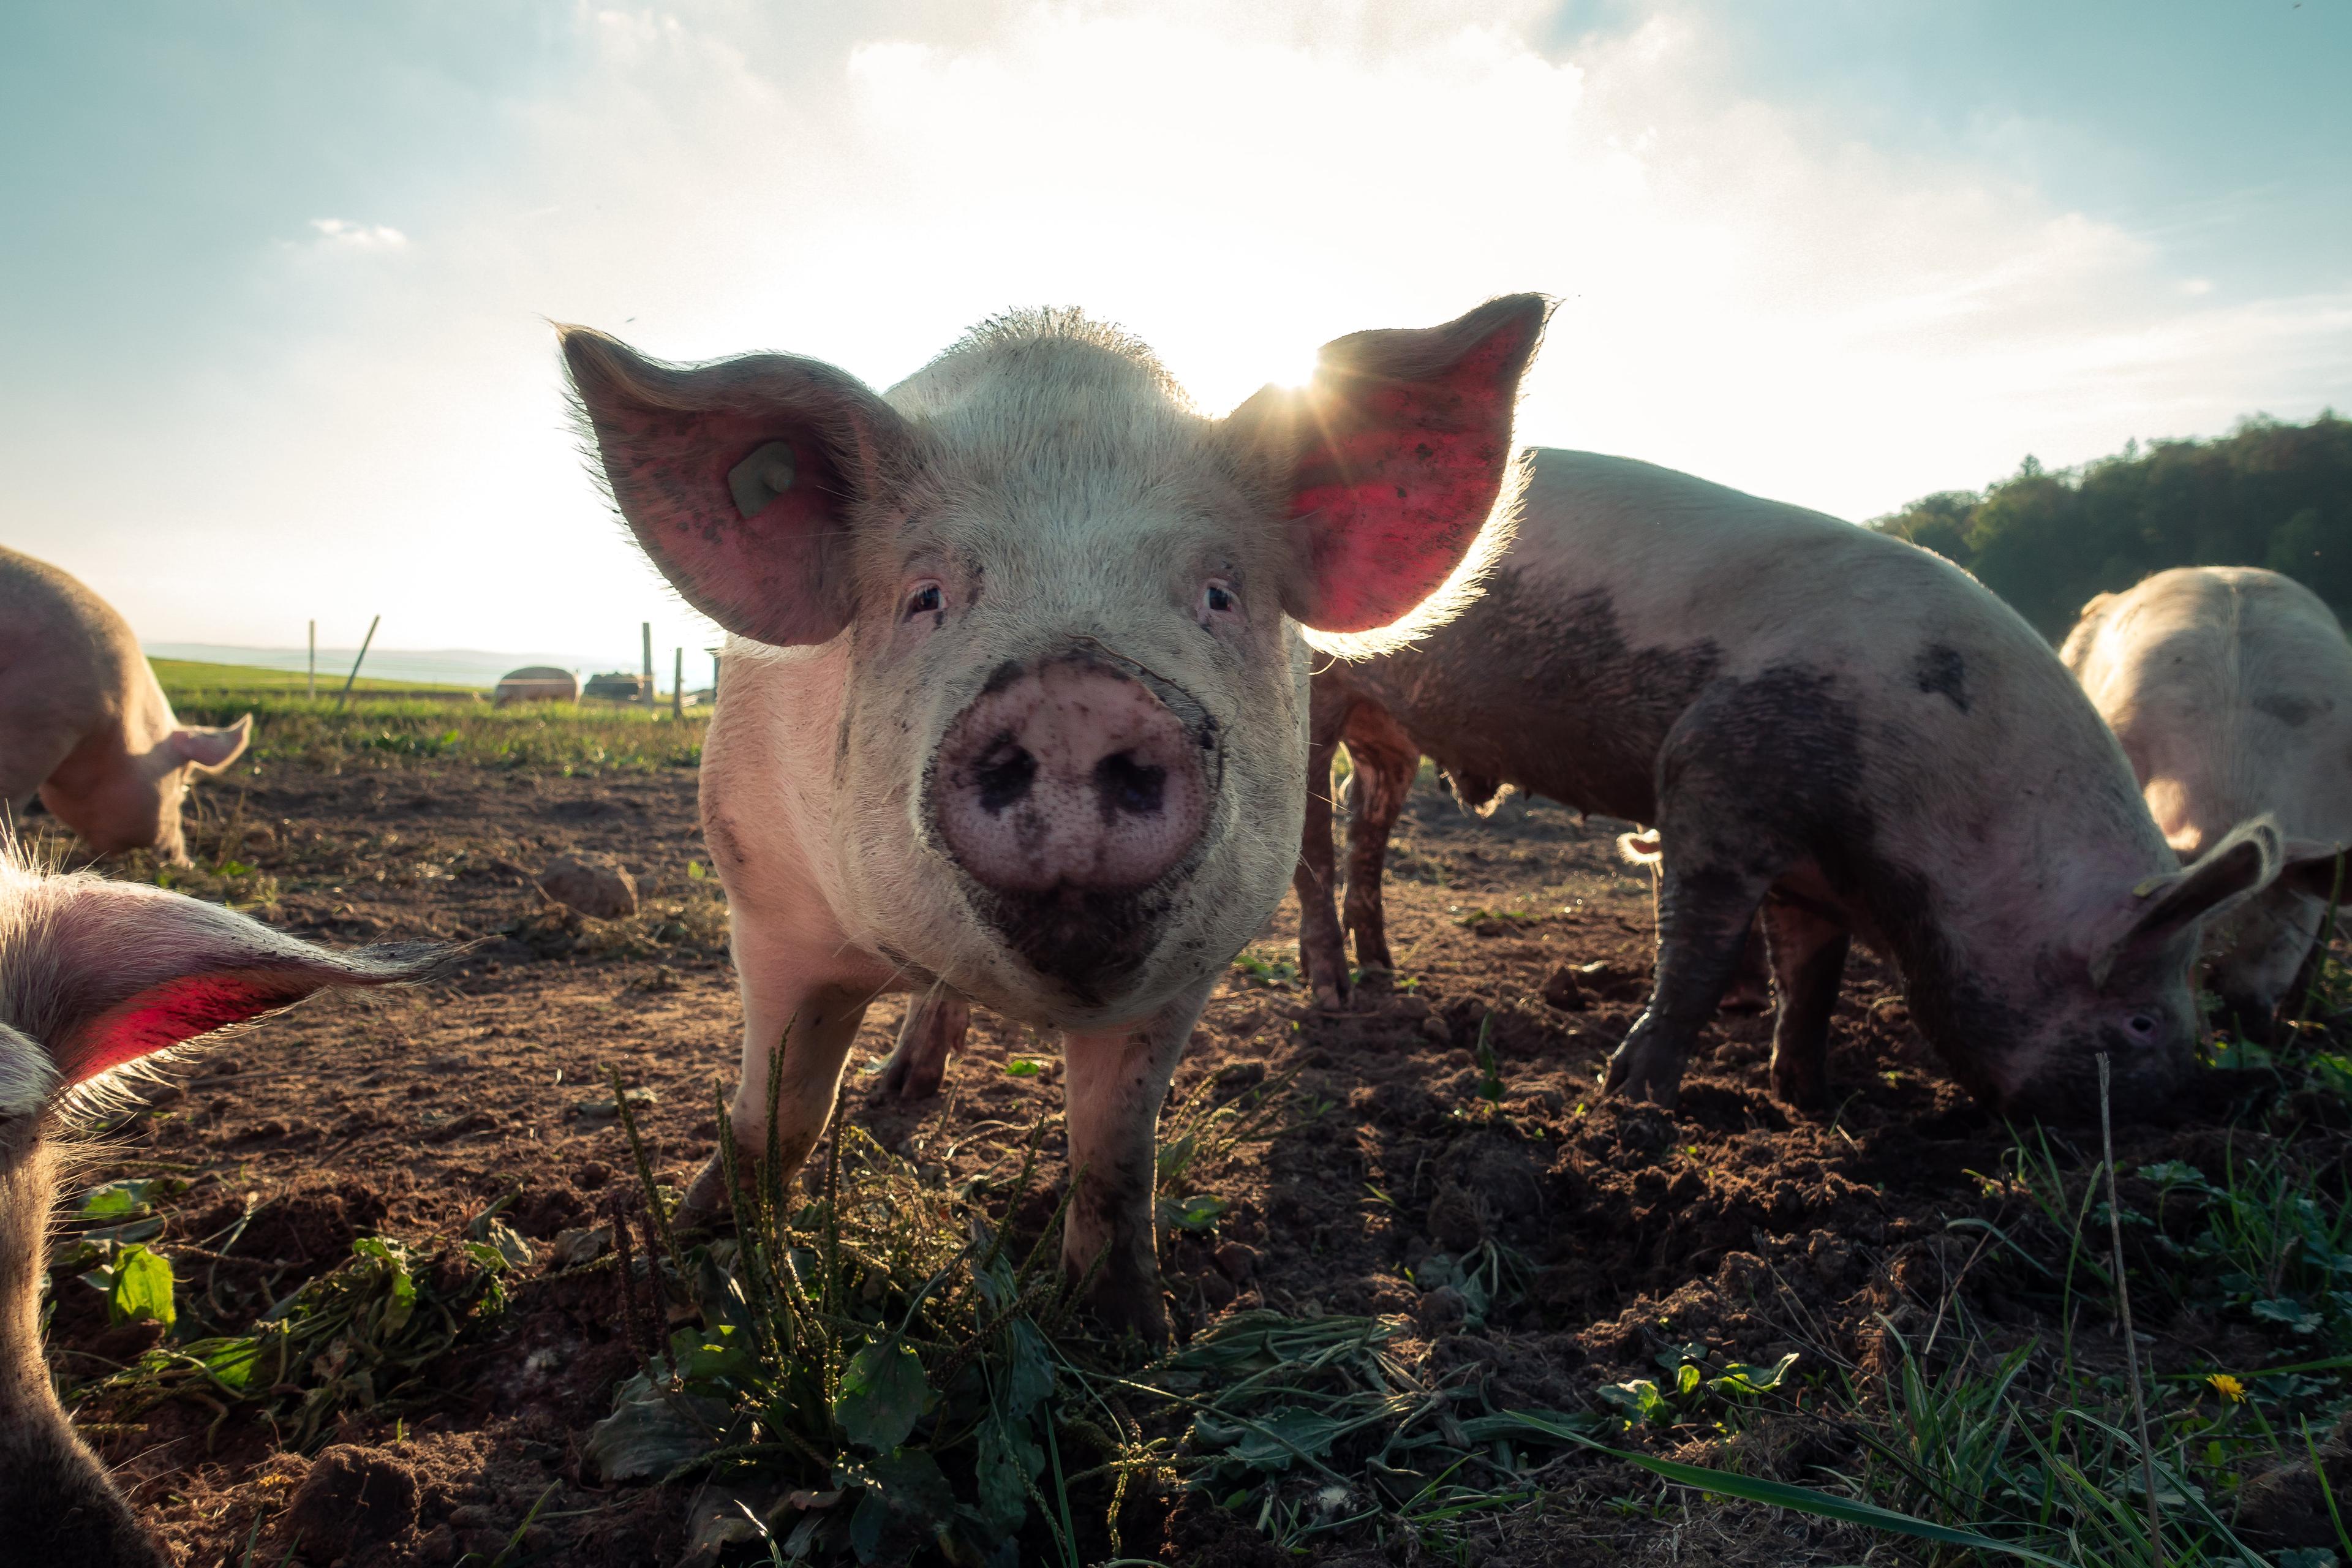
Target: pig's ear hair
x,y
738,476
104,974
1397,460
211,750
2243,863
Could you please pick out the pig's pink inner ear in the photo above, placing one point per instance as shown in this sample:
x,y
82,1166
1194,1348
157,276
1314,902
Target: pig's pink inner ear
x,y
736,477
177,1011
1405,440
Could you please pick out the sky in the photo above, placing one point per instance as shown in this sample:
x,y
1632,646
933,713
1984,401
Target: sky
x,y
276,280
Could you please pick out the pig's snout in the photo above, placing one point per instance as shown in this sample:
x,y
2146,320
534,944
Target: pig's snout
x,y
1073,776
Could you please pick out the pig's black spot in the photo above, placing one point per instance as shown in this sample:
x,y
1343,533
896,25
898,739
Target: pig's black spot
x,y
1003,676
1940,671
1543,692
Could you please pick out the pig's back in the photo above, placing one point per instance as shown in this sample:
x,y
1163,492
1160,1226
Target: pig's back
x,y
65,654
2231,688
1631,589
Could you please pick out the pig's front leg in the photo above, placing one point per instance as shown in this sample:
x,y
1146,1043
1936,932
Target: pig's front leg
x,y
823,1020
1116,1081
936,1022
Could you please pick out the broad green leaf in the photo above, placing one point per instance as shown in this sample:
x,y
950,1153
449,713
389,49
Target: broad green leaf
x,y
1272,1441
1008,1461
1738,1377
139,1289
120,1200
651,1432
1637,1401
1201,1211
882,1396
1688,1378
904,1496
708,1355
1023,1066
1029,1376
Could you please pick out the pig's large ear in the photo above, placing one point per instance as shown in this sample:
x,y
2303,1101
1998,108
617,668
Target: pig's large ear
x,y
211,749
1395,455
738,476
2244,862
2311,868
102,973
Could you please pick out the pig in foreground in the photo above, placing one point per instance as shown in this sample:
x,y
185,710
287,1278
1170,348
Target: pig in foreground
x,y
1833,726
1015,699
97,975
2231,688
82,722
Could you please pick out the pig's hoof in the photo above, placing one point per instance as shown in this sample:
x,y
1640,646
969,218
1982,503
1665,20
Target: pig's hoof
x,y
1126,1300
913,1074
707,1196
1643,1075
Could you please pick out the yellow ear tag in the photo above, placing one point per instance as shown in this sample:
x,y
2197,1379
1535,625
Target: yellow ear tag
x,y
2145,888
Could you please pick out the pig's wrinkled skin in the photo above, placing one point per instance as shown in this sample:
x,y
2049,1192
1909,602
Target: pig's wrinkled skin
x,y
2231,688
1015,703
1833,725
97,975
82,722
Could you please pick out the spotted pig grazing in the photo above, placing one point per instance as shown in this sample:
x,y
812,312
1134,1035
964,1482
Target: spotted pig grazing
x,y
95,975
82,722
2231,688
1016,701
1844,731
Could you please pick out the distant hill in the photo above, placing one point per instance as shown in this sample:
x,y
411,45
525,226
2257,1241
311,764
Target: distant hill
x,y
2268,494
185,675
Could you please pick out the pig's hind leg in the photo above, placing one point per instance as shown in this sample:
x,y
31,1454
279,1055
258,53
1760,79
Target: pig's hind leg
x,y
1725,838
1808,952
1385,761
936,1022
1322,948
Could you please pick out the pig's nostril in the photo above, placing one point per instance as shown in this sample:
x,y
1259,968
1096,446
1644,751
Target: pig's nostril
x,y
1125,785
1004,776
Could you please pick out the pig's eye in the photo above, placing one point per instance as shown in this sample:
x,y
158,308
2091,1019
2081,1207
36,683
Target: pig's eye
x,y
1218,598
924,599
2143,1025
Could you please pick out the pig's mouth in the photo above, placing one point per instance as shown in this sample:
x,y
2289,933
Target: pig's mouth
x,y
1089,943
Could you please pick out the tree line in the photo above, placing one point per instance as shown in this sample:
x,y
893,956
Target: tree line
x,y
2267,494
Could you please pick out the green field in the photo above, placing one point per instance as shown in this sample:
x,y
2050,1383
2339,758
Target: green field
x,y
187,675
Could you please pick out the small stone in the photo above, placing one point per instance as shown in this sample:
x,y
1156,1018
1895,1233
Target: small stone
x,y
1437,1029
1561,991
595,885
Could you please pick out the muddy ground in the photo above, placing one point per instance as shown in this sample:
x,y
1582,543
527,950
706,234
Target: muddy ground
x,y
1731,1221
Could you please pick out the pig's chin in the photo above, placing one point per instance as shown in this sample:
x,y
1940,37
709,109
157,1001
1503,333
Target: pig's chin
x,y
1089,946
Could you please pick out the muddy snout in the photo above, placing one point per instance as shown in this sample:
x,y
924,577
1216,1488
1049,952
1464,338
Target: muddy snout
x,y
1073,775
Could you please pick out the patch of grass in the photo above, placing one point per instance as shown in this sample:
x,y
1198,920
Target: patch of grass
x,y
358,1337
1273,968
567,739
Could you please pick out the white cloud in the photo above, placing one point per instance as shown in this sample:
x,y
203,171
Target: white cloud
x,y
335,232
1747,292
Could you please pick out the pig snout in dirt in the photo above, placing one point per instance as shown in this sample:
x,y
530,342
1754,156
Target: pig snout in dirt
x,y
83,722
94,976
1016,704
2230,689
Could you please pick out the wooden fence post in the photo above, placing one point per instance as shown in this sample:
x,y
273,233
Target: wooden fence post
x,y
372,622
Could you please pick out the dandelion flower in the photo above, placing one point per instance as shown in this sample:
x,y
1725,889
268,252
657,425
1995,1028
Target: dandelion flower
x,y
2227,1387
